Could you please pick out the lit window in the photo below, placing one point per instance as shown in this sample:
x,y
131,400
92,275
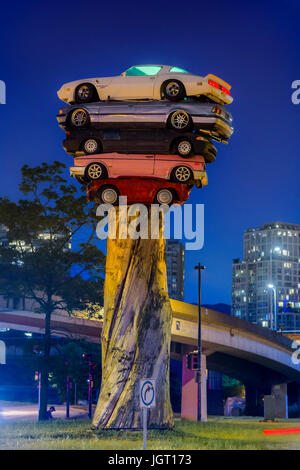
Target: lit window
x,y
178,70
143,70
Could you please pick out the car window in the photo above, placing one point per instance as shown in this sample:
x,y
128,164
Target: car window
x,y
143,70
178,70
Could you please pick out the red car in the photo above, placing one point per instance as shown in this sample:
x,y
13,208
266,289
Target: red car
x,y
142,190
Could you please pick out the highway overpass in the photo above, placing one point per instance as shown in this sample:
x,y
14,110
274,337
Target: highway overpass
x,y
259,357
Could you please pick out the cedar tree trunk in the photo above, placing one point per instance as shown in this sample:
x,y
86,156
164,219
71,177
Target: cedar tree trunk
x,y
136,332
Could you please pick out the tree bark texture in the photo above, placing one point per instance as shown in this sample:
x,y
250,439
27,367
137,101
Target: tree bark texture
x,y
136,333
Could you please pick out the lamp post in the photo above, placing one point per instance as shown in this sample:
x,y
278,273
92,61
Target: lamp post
x,y
199,268
276,249
273,288
67,393
89,357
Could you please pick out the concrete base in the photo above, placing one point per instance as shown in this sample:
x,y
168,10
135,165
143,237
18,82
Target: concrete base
x,y
281,400
269,408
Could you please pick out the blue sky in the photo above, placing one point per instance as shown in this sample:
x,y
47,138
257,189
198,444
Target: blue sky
x,y
254,45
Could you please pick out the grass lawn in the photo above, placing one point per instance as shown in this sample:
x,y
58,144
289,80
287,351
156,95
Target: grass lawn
x,y
216,434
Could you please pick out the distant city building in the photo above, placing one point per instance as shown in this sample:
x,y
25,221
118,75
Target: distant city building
x,y
42,238
175,255
268,279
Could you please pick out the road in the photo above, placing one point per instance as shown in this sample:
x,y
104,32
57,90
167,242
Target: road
x,y
29,412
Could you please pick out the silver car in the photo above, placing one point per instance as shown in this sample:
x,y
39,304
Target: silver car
x,y
188,114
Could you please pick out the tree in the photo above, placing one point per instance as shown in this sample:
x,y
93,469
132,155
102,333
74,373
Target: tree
x,y
36,260
136,332
232,387
68,360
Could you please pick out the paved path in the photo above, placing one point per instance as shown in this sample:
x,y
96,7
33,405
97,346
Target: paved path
x,y
29,412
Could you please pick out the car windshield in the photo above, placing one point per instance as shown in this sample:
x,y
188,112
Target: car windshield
x,y
143,70
178,70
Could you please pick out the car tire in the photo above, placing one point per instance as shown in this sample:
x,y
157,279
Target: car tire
x,y
108,195
165,196
180,120
79,117
95,171
210,157
173,90
182,174
85,93
91,146
81,179
184,148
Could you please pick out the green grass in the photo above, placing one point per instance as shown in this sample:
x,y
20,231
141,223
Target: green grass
x,y
216,434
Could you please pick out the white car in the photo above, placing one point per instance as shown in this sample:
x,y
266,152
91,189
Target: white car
x,y
147,82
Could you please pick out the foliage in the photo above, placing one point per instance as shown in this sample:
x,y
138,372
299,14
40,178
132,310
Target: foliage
x,y
37,263
67,360
232,387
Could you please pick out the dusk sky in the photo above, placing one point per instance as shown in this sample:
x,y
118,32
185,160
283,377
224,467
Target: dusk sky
x,y
253,45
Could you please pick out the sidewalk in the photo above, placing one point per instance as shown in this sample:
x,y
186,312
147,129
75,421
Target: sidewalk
x,y
29,411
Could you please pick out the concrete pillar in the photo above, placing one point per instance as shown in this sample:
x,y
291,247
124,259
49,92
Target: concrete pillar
x,y
189,397
281,400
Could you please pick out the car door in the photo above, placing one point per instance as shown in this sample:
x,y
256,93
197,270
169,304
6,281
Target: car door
x,y
115,112
131,87
151,114
135,83
112,141
132,165
141,140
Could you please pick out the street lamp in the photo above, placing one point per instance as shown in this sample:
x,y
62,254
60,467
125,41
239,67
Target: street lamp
x,y
199,268
273,288
89,358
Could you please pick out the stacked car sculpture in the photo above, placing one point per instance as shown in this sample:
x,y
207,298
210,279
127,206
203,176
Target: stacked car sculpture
x,y
146,134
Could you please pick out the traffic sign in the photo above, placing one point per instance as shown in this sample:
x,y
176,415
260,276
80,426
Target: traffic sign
x,y
147,393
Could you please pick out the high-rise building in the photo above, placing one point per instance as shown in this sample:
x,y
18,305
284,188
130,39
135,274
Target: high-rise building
x,y
175,254
266,284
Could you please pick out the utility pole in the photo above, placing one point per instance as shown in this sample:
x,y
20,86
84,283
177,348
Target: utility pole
x,y
199,268
90,386
68,398
89,357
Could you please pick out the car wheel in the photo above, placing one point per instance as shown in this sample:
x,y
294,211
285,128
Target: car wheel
x,y
173,90
180,120
85,93
109,195
95,171
184,148
79,118
182,174
81,179
91,146
164,196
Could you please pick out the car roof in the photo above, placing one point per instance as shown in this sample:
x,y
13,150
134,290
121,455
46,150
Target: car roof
x,y
150,65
